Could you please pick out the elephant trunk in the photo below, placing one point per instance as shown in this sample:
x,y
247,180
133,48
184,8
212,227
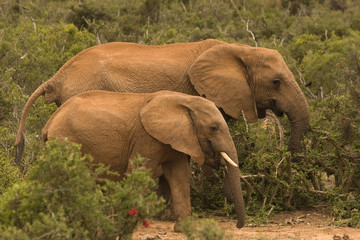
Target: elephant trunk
x,y
233,178
299,117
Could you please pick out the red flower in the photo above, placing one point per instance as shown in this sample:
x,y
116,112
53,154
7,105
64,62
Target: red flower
x,y
345,121
133,212
146,223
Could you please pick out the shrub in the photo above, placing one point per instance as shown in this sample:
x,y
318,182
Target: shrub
x,y
9,173
202,229
330,62
61,200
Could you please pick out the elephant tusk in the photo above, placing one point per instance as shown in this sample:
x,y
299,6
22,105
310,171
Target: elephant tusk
x,y
228,159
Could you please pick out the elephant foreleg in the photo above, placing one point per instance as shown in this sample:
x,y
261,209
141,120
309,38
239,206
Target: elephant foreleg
x,y
177,173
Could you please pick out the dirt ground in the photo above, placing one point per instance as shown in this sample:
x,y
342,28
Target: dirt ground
x,y
299,225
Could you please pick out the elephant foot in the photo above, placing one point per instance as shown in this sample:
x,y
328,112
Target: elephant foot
x,y
240,224
167,214
177,226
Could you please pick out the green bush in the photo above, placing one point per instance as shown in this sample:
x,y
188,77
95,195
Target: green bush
x,y
202,229
329,63
345,208
61,200
9,172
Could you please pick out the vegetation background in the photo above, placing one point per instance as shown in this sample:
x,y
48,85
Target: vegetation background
x,y
319,40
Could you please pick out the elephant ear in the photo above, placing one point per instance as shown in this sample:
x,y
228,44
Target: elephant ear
x,y
220,74
167,119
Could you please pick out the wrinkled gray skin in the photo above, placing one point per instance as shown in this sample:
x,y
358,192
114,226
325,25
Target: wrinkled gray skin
x,y
164,127
237,78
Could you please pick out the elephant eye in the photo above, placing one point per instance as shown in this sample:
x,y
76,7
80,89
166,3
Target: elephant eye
x,y
276,82
214,128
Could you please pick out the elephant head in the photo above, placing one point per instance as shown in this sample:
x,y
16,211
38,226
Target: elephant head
x,y
239,78
194,126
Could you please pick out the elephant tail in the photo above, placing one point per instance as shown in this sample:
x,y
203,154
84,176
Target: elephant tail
x,y
36,94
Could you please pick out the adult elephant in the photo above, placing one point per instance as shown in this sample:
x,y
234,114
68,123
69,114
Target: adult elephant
x,y
237,78
164,127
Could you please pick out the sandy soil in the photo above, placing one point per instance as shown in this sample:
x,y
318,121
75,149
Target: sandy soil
x,y
299,225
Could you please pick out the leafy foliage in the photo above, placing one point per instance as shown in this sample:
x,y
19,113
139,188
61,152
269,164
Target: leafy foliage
x,y
202,229
9,173
61,200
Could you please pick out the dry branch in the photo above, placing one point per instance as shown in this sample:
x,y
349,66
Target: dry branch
x,y
252,34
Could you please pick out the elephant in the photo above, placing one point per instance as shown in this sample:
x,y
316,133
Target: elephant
x,y
239,79
166,128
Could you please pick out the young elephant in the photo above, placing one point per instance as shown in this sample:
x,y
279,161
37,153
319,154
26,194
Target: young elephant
x,y
164,127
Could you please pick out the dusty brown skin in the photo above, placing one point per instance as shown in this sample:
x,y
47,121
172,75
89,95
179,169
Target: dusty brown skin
x,y
235,77
164,127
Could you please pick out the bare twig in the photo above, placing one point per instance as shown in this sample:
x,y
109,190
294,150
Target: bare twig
x,y
183,6
321,92
274,193
248,190
94,31
279,126
34,24
253,176
236,9
320,131
246,125
301,77
98,39
303,82
277,166
259,193
252,34
271,209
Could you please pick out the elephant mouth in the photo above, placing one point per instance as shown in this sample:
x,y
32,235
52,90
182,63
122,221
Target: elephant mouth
x,y
278,113
215,158
220,159
275,109
210,155
261,112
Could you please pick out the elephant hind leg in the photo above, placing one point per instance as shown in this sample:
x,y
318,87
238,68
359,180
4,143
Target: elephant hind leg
x,y
163,191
